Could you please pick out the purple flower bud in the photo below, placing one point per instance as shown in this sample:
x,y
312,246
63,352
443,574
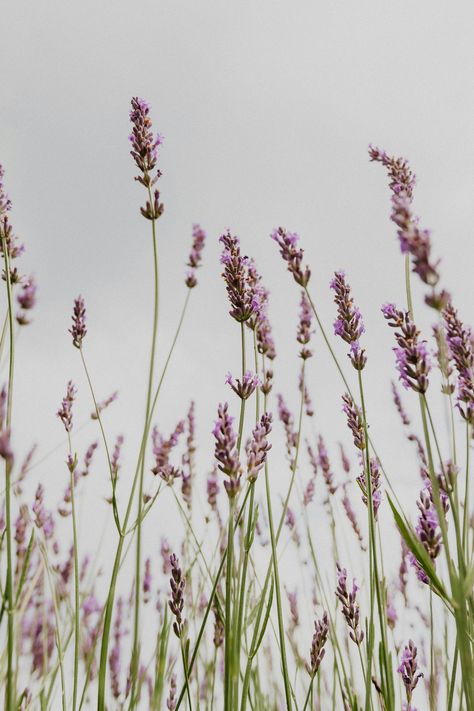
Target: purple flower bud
x,y
411,356
259,446
348,325
144,143
225,450
408,669
65,411
304,326
27,300
293,256
460,343
236,277
176,603
350,606
78,329
321,630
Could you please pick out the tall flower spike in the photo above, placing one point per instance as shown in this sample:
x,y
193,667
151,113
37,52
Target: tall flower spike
x,y
7,237
408,670
354,420
176,604
375,485
195,256
144,143
461,346
348,325
321,630
225,450
428,529
287,241
350,606
304,332
411,355
27,300
413,240
78,329
65,411
236,277
259,446
259,321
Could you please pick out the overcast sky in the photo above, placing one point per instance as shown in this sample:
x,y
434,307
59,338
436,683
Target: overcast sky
x,y
267,109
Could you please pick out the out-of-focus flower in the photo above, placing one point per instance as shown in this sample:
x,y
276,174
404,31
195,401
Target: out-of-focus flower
x,y
195,256
461,347
65,411
27,300
226,451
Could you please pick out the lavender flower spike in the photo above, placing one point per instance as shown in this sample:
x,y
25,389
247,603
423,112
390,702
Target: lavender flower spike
x,y
287,242
195,256
176,603
236,276
348,325
78,329
65,411
461,348
304,326
411,355
27,300
408,670
350,606
354,420
321,629
225,450
144,144
259,446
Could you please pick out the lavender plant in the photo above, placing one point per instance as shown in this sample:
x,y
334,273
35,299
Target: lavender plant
x,y
199,620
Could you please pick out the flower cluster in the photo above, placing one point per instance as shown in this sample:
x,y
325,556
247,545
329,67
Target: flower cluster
x,y
354,420
195,256
304,332
375,486
411,355
461,347
413,240
236,277
65,411
176,604
26,300
162,449
427,528
8,241
293,256
78,329
243,388
225,450
408,670
348,325
259,446
285,416
144,143
321,630
350,606
259,320
145,154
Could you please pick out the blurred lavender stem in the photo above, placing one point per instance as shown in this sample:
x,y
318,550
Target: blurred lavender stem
x,y
10,697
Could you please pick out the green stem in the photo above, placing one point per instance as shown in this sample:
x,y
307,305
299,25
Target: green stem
x,y
9,593
76,585
136,618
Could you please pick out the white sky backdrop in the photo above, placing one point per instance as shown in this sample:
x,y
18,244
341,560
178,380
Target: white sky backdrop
x,y
267,109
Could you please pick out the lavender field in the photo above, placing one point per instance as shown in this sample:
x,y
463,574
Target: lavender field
x,y
237,370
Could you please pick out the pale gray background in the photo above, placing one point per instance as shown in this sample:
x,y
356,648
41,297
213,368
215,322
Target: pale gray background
x,y
267,109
